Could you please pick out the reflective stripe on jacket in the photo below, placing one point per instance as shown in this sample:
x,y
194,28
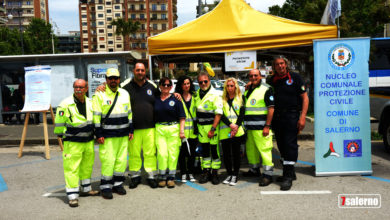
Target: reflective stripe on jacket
x,y
189,124
72,125
119,123
255,108
208,107
224,129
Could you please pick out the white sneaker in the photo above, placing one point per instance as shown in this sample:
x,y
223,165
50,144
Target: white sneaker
x,y
192,179
227,180
184,178
233,181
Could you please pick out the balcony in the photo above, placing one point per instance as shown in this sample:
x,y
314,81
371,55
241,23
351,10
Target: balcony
x,y
159,19
137,10
136,1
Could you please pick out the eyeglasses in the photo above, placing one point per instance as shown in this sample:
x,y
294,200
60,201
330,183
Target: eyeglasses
x,y
79,87
113,78
167,85
203,82
253,76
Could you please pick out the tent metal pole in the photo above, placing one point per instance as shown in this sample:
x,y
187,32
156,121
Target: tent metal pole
x,y
150,68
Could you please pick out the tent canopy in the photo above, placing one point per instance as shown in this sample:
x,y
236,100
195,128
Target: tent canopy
x,y
234,26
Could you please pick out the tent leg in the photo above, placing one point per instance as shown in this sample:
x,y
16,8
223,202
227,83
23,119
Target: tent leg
x,y
150,67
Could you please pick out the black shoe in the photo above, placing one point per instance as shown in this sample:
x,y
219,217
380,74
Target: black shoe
x,y
134,182
119,190
204,177
215,178
107,193
281,178
152,183
286,184
265,180
252,173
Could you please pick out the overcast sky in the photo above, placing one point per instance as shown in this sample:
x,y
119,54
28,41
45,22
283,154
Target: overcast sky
x,y
65,13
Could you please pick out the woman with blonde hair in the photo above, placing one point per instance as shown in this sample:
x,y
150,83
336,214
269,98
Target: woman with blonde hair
x,y
231,130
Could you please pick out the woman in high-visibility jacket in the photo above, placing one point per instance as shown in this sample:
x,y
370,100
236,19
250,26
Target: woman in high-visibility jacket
x,y
230,129
186,89
170,119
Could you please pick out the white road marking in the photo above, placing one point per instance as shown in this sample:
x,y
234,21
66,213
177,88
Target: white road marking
x,y
295,192
54,194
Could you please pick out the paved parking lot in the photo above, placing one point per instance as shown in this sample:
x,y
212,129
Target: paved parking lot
x,y
33,188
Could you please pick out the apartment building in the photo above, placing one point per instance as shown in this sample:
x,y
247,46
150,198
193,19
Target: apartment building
x,y
23,11
98,35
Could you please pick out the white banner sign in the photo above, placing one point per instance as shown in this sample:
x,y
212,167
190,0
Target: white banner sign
x,y
64,76
240,61
38,87
96,75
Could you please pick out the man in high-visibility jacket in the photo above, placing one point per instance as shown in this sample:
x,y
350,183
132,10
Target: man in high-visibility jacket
x,y
208,110
74,124
259,109
112,117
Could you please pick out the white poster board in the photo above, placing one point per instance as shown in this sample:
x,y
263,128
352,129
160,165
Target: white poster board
x,y
63,77
97,74
240,61
38,88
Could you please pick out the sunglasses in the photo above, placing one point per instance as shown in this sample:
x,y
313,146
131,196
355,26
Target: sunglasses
x,y
203,82
113,78
167,85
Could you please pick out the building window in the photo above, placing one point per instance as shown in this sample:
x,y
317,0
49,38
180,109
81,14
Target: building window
x,y
119,46
110,50
109,18
134,45
132,7
109,34
154,7
141,7
110,42
99,7
84,23
142,26
85,46
85,32
85,39
132,16
163,7
118,38
101,38
118,1
100,15
164,16
117,15
83,16
143,45
101,31
117,7
154,26
143,35
101,23
164,26
108,11
143,55
108,3
102,46
154,16
142,16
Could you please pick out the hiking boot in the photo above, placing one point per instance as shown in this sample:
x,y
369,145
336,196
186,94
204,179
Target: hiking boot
x,y
286,184
170,182
89,193
204,177
227,180
233,181
152,183
74,203
265,180
119,190
214,178
134,182
252,172
107,193
162,183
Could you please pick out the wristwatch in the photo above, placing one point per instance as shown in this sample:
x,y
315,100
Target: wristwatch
x,y
213,129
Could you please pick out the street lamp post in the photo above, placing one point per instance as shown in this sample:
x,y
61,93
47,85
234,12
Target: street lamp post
x,y
10,17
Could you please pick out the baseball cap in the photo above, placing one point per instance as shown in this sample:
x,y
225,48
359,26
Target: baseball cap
x,y
112,72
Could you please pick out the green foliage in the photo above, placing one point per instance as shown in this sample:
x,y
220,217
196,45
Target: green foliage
x,y
359,18
36,39
125,28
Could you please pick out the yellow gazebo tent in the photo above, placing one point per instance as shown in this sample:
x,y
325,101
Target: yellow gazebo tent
x,y
234,26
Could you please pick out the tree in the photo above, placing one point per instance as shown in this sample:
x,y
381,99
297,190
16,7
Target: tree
x,y
9,41
39,37
125,28
359,18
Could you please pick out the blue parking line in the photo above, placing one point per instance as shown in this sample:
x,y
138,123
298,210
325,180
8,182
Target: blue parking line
x,y
196,186
30,162
378,178
246,184
3,185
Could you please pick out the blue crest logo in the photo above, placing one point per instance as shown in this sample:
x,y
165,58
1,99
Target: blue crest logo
x,y
171,103
341,56
253,101
149,92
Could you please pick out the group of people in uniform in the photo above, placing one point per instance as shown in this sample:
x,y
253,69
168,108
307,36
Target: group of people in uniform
x,y
170,128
